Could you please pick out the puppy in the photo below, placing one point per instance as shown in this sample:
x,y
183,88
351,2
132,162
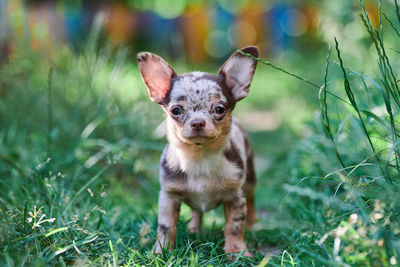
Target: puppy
x,y
208,160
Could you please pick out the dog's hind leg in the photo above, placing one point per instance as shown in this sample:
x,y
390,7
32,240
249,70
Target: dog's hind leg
x,y
195,221
251,216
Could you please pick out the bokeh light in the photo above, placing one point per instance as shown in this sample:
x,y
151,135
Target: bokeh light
x,y
293,22
217,44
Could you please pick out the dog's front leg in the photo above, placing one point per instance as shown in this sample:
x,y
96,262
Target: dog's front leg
x,y
168,214
235,215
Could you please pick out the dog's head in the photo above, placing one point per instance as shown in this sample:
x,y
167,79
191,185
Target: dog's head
x,y
198,105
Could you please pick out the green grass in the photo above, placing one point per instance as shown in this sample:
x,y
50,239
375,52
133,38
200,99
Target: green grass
x,y
79,161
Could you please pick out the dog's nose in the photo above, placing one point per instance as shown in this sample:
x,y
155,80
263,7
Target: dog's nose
x,y
197,124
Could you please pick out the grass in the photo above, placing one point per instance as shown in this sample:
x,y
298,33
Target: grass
x,y
79,161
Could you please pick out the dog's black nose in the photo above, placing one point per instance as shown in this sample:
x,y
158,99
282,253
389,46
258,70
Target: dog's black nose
x,y
197,124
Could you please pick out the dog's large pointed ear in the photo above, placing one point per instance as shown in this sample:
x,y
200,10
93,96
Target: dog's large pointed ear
x,y
238,71
156,75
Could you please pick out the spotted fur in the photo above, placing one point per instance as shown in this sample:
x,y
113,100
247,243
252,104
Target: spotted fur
x,y
208,159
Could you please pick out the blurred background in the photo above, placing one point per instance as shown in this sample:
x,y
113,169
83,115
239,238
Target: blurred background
x,y
194,31
80,137
196,35
189,30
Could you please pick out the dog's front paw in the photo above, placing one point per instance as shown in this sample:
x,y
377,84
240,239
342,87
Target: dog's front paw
x,y
235,253
157,249
236,247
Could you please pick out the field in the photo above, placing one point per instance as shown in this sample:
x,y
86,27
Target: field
x,y
80,143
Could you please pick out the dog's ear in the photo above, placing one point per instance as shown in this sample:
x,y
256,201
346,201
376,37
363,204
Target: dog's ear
x,y
238,71
156,75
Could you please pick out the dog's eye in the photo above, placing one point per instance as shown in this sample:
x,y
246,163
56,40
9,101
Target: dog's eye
x,y
219,110
176,111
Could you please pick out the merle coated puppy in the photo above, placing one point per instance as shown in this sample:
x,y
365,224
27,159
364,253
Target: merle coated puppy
x,y
208,160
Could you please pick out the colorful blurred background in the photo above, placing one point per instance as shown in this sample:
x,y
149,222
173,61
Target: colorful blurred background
x,y
80,140
195,35
194,31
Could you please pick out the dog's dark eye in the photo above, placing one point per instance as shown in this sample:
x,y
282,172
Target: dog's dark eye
x,y
219,110
176,111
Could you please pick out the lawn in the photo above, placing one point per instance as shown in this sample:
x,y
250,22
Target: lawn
x,y
80,143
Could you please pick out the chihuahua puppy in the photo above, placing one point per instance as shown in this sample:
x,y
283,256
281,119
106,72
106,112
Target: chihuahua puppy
x,y
208,160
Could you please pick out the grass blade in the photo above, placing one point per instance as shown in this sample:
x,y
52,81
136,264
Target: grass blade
x,y
61,229
324,109
355,106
